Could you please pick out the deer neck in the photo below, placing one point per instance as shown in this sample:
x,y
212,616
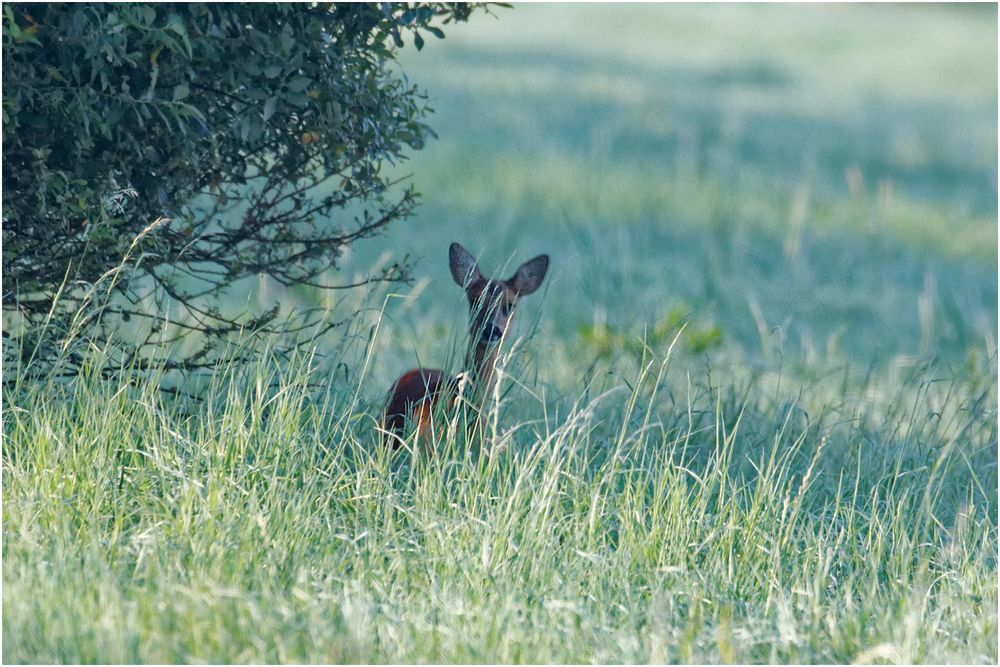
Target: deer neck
x,y
481,363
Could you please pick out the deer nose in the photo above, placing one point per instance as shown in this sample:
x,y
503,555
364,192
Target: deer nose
x,y
492,333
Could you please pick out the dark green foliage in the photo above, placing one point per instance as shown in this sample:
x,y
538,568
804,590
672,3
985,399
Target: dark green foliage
x,y
259,132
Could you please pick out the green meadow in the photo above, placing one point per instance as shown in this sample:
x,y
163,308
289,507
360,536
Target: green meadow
x,y
751,416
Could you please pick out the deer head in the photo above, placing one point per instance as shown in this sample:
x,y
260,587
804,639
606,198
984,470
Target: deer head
x,y
492,301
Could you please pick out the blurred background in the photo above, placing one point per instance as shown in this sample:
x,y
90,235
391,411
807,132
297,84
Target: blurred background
x,y
810,188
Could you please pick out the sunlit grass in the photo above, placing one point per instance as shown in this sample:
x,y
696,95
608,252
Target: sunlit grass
x,y
658,520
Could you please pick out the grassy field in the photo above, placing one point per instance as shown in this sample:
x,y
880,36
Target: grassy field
x,y
750,417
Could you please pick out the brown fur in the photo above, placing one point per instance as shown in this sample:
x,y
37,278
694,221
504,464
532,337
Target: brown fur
x,y
421,387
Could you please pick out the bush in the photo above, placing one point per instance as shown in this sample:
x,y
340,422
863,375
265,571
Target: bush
x,y
172,150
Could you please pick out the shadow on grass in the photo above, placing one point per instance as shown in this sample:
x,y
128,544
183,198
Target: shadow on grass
x,y
753,116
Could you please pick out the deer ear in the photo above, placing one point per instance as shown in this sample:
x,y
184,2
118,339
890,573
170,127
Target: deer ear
x,y
530,275
463,266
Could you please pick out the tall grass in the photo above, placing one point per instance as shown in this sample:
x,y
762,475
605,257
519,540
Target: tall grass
x,y
658,521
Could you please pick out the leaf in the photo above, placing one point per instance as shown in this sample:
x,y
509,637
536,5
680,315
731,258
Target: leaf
x,y
299,83
418,41
270,107
15,30
272,71
187,110
176,24
28,36
437,32
53,73
180,92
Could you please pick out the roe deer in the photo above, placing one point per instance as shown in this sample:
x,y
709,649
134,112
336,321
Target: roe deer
x,y
417,393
